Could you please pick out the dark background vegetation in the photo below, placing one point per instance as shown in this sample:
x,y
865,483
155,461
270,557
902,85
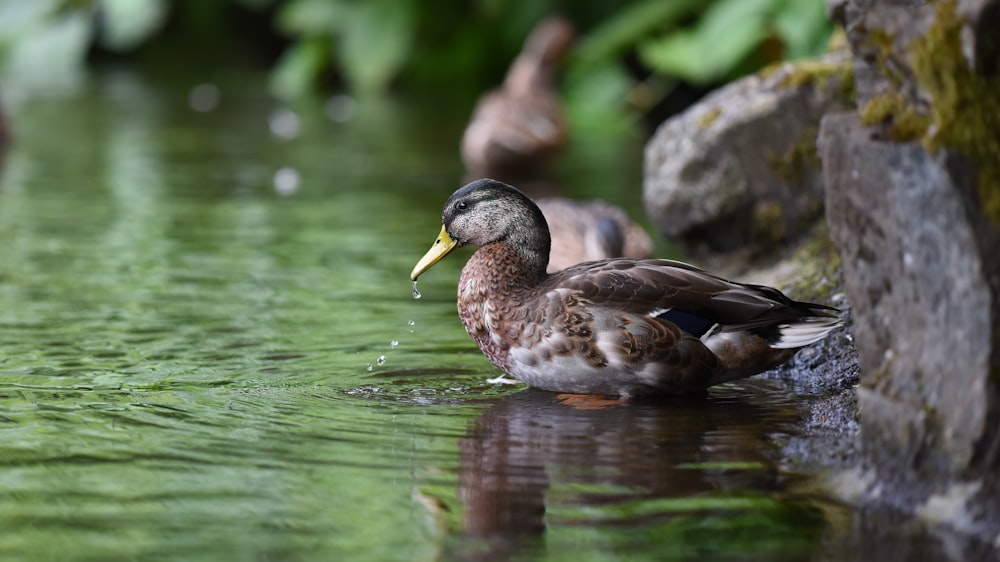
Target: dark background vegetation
x,y
633,58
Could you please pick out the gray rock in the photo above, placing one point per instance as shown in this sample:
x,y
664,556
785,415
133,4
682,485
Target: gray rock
x,y
878,32
835,10
924,309
913,207
919,249
740,166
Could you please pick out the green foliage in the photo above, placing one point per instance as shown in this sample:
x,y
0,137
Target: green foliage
x,y
130,22
619,34
965,104
592,90
370,40
456,46
730,32
295,73
803,27
378,43
41,47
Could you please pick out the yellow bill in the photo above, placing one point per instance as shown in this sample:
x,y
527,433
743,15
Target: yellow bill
x,y
441,248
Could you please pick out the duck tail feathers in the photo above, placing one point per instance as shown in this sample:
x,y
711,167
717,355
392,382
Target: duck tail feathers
x,y
805,332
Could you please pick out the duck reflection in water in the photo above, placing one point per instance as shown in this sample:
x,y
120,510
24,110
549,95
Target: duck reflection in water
x,y
535,462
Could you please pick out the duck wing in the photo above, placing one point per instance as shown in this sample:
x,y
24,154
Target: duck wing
x,y
693,299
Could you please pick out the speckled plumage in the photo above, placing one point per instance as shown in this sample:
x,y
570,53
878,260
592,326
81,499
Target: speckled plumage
x,y
622,326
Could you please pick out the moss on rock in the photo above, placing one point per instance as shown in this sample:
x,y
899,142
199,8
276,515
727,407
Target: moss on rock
x,y
799,159
965,105
901,120
708,117
821,73
960,109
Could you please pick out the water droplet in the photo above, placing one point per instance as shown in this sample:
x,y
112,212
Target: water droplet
x,y
284,123
381,360
411,322
394,344
340,108
370,367
204,97
416,293
286,181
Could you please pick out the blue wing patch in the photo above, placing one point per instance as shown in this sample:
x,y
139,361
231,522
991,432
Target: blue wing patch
x,y
695,324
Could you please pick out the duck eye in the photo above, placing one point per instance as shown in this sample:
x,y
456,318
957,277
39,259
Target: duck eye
x,y
461,206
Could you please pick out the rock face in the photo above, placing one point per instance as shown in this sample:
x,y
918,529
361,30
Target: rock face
x,y
911,175
741,165
912,184
924,309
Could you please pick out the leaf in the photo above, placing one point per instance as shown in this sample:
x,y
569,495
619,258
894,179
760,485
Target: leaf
x,y
632,24
729,16
687,56
804,27
596,96
128,23
50,57
296,71
678,55
313,17
728,32
377,42
18,17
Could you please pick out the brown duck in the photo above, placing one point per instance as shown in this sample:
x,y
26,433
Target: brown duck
x,y
623,327
590,230
521,123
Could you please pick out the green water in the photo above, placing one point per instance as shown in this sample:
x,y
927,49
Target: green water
x,y
185,351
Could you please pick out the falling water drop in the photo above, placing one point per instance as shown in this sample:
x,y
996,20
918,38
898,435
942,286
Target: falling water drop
x,y
204,97
394,344
416,293
370,367
381,360
411,323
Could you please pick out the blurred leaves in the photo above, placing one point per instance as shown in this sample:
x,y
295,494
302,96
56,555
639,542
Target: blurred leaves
x,y
127,23
593,96
729,32
804,28
377,42
370,42
371,46
42,48
619,34
295,73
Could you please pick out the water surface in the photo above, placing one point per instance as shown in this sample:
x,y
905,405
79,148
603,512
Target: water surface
x,y
197,362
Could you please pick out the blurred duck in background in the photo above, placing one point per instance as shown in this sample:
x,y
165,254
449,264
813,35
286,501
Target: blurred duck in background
x,y
515,128
591,230
513,132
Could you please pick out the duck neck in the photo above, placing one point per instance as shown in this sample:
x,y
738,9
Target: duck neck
x,y
535,66
527,75
500,268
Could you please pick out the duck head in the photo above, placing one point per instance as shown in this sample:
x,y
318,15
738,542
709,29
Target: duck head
x,y
487,212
